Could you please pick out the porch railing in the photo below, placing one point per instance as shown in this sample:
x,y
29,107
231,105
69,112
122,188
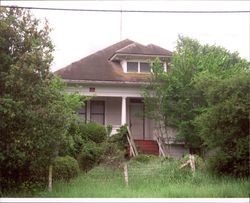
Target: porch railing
x,y
161,145
131,142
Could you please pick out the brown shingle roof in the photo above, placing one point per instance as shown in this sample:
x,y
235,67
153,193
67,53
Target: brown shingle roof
x,y
98,67
136,48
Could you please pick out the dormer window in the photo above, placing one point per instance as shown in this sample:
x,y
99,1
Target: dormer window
x,y
145,67
138,67
132,67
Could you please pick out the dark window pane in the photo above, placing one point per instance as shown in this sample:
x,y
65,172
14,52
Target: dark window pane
x,y
82,110
132,67
97,111
97,107
144,67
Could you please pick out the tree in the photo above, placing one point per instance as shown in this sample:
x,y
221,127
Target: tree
x,y
224,123
180,96
173,93
34,110
155,102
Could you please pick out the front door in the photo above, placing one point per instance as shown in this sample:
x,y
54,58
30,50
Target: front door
x,y
137,119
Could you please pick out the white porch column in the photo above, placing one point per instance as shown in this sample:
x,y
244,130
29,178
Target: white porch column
x,y
123,115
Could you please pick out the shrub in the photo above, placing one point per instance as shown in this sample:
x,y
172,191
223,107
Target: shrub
x,y
93,131
91,154
82,133
120,138
75,133
109,130
65,168
224,163
118,146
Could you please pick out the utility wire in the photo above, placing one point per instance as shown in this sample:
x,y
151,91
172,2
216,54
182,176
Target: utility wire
x,y
127,11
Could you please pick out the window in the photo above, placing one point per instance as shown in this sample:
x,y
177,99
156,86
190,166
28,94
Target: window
x,y
97,111
132,67
138,67
82,113
144,67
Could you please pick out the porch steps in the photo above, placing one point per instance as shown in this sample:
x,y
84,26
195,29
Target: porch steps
x,y
147,147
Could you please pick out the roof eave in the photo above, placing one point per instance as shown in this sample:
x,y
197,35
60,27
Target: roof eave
x,y
113,57
99,82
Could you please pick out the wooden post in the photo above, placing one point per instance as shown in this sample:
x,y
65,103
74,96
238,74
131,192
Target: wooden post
x,y
126,173
192,163
50,178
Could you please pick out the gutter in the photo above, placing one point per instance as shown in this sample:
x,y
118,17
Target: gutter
x,y
113,83
139,55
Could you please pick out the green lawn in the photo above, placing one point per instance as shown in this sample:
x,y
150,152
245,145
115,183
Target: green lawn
x,y
153,179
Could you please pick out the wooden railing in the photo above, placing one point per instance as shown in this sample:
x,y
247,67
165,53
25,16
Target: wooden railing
x,y
161,145
131,142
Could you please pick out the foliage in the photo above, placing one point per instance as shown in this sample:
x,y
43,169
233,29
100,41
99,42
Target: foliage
x,y
109,130
224,124
116,148
154,179
180,101
91,155
94,132
205,97
65,168
143,158
89,143
147,180
34,110
120,138
83,133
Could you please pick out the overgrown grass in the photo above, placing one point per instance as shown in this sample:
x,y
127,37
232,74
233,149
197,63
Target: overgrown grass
x,y
153,178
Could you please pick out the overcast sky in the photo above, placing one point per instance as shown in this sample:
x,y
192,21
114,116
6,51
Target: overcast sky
x,y
78,34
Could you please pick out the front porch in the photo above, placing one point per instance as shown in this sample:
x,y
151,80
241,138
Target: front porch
x,y
116,112
118,105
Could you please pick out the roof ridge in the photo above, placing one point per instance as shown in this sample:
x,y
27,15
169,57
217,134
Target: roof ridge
x,y
128,46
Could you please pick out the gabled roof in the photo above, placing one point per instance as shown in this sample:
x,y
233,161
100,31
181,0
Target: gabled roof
x,y
99,67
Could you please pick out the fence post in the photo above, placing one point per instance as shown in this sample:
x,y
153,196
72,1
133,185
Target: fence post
x,y
192,162
126,173
50,178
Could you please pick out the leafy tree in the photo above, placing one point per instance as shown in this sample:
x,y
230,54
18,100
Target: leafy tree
x,y
171,98
34,110
224,123
155,101
178,97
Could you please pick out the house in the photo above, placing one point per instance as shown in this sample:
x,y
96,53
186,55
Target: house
x,y
114,78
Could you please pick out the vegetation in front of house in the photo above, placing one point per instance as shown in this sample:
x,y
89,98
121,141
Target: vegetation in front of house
x,y
65,168
205,96
149,176
35,111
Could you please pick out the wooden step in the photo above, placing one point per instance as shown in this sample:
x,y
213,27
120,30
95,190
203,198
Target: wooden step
x,y
147,146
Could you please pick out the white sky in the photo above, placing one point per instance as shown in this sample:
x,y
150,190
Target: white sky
x,y
78,34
